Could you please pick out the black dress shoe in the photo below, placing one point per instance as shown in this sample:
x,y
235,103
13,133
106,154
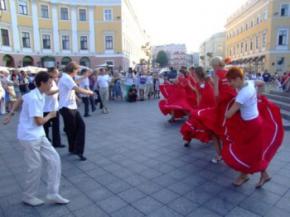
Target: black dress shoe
x,y
186,145
82,158
87,116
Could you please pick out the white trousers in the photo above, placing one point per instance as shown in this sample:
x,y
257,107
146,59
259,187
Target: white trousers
x,y
34,152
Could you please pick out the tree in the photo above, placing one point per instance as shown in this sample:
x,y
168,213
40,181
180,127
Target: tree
x,y
162,58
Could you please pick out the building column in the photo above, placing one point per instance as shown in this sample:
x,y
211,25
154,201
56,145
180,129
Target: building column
x,y
15,32
36,38
56,39
92,44
74,29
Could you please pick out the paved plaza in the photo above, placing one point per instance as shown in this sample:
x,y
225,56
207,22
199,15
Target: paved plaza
x,y
137,166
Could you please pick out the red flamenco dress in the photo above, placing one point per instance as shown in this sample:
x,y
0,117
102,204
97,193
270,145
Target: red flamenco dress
x,y
211,118
178,100
250,146
193,129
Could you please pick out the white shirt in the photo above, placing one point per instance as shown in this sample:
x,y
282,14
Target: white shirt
x,y
103,81
247,98
85,84
33,104
67,96
51,101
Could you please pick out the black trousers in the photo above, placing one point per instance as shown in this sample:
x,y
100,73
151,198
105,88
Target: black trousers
x,y
75,130
86,105
54,124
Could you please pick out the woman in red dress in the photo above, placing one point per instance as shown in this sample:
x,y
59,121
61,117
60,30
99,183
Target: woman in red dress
x,y
205,98
254,130
179,101
212,118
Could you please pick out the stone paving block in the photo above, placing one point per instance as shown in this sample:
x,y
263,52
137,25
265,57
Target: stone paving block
x,y
149,187
165,212
147,205
203,212
20,210
112,204
277,212
198,196
78,202
257,207
180,188
127,211
165,196
220,206
99,194
90,211
119,186
132,195
52,210
240,212
183,206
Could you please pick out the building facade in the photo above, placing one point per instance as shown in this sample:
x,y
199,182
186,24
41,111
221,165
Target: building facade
x,y
214,46
257,36
177,54
54,32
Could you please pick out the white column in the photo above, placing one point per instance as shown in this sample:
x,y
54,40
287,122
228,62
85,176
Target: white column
x,y
16,39
92,30
54,15
74,29
35,26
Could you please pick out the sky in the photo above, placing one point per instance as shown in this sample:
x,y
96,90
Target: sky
x,y
184,21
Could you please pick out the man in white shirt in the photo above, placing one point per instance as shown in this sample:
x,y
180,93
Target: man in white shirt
x,y
51,104
36,146
85,84
73,123
103,81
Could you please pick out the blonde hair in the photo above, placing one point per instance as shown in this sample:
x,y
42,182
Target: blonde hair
x,y
217,61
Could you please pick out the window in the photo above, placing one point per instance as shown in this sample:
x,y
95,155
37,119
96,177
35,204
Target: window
x,y
64,13
46,41
2,5
283,37
83,14
257,41
242,47
65,42
264,39
246,47
265,14
44,11
26,40
22,7
109,42
251,45
108,15
84,42
5,37
284,10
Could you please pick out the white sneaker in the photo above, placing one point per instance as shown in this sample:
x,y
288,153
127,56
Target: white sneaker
x,y
57,199
33,201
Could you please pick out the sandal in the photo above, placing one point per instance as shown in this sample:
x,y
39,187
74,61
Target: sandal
x,y
242,181
264,181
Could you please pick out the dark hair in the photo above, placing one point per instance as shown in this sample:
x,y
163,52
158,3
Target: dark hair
x,y
200,73
84,70
41,77
71,67
51,70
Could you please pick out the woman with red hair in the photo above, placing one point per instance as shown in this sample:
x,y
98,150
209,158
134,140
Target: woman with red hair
x,y
254,130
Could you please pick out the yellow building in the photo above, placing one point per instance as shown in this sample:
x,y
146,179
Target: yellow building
x,y
54,32
257,36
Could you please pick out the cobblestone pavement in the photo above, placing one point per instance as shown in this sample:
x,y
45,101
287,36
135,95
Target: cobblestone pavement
x,y
137,166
